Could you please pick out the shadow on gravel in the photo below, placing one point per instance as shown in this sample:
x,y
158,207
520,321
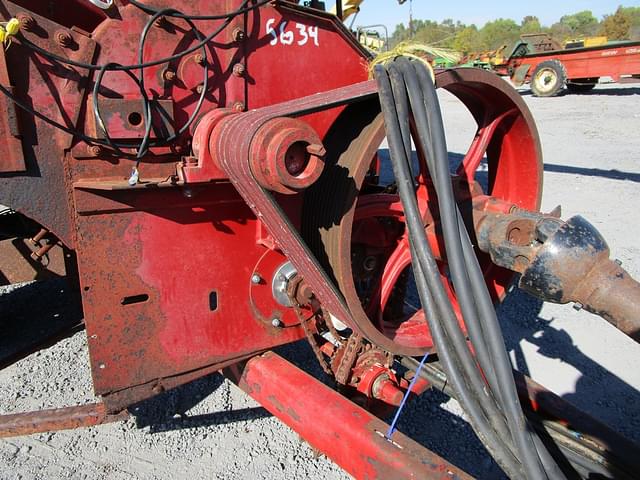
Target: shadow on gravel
x,y
593,172
167,411
31,313
598,392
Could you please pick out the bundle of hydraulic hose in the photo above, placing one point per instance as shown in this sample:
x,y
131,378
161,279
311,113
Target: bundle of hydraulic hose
x,y
481,374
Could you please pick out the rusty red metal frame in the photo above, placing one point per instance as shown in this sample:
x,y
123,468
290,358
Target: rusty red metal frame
x,y
67,418
349,435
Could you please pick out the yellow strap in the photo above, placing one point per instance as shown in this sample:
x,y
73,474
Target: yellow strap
x,y
8,30
416,51
12,27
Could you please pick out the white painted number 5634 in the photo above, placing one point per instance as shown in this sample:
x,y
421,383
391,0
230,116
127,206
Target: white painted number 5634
x,y
287,37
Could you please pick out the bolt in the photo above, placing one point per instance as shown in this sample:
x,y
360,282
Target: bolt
x,y
95,150
239,69
256,279
238,34
317,150
27,22
160,22
238,106
63,39
276,322
370,263
577,306
200,88
618,262
199,58
304,294
169,75
187,192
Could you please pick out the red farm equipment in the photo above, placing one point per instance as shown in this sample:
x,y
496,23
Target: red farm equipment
x,y
542,62
209,174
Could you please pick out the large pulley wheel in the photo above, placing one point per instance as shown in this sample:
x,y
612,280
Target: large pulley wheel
x,y
355,224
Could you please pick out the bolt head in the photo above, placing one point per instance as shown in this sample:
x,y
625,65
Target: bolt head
x,y
95,150
239,69
256,279
199,58
27,22
200,88
276,322
169,75
63,38
238,34
161,22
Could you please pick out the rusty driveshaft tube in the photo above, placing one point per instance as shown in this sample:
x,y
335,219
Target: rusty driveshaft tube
x,y
616,297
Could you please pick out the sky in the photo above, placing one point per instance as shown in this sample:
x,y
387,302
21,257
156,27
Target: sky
x,y
389,13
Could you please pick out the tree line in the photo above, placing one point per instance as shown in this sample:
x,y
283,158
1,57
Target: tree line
x,y
624,24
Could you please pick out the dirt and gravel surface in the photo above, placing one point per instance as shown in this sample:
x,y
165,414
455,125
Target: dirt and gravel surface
x,y
210,429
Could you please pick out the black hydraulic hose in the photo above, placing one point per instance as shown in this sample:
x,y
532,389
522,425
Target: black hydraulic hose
x,y
427,268
492,442
450,320
457,241
463,290
451,232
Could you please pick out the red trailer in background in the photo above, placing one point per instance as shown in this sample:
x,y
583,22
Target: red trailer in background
x,y
549,69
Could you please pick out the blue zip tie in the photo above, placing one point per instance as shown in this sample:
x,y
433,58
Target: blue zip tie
x,y
392,427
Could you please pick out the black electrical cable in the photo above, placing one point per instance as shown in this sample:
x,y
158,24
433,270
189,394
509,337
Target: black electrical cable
x,y
143,37
112,66
102,69
428,269
151,10
96,107
91,66
142,146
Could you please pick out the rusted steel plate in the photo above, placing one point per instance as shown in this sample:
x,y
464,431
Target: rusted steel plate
x,y
165,281
66,418
346,433
17,265
56,91
11,154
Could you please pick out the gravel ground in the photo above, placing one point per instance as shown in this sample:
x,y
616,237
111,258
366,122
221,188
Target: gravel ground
x,y
210,429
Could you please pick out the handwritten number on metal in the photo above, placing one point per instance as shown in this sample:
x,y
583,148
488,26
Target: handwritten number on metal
x,y
280,34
